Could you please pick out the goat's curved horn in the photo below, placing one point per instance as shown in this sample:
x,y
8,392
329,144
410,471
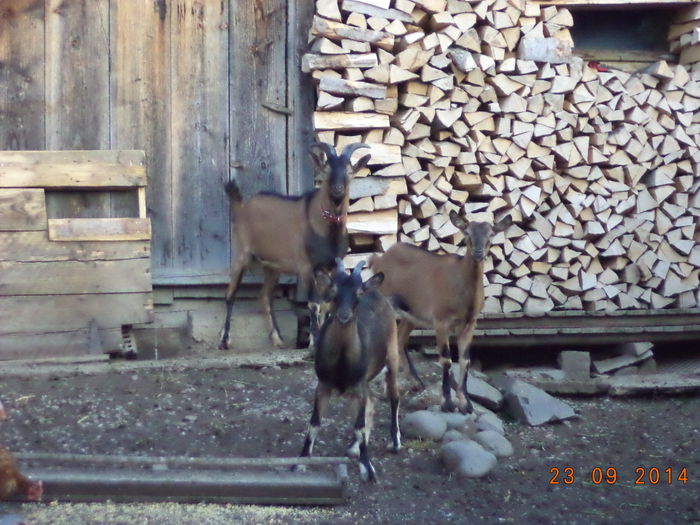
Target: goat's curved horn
x,y
351,148
358,268
327,148
339,265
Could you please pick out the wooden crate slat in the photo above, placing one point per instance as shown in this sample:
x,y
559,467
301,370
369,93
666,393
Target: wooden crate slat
x,y
75,277
72,169
30,246
22,210
59,343
117,229
49,313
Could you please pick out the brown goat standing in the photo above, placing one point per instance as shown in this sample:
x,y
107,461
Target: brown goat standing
x,y
295,235
443,292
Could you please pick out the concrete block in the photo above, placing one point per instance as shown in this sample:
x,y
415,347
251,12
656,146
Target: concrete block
x,y
576,365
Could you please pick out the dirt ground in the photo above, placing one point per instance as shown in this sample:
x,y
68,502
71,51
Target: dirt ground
x,y
204,407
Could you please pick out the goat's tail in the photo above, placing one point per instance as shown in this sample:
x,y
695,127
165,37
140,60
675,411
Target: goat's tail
x,y
233,191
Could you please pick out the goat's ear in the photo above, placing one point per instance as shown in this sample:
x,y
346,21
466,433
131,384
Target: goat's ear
x,y
458,221
504,223
373,282
361,163
322,281
318,155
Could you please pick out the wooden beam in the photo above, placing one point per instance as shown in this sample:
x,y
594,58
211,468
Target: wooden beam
x,y
117,229
102,169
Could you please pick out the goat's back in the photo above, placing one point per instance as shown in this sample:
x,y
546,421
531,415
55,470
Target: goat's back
x,y
424,284
271,228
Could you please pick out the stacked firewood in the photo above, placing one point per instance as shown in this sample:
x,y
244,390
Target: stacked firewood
x,y
684,37
479,106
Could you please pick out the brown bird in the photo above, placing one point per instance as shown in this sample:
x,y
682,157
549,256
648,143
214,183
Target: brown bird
x,y
13,484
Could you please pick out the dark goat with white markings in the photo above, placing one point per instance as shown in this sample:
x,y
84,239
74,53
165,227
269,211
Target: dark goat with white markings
x,y
295,235
443,292
357,341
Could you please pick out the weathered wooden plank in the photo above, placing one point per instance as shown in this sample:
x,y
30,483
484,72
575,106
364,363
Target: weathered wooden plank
x,y
29,246
73,277
106,169
73,312
22,209
141,108
77,89
259,95
349,121
300,91
200,159
55,344
119,229
22,101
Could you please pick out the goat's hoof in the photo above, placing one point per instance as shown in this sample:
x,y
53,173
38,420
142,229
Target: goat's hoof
x,y
353,450
223,345
277,341
466,409
368,474
298,468
447,406
394,449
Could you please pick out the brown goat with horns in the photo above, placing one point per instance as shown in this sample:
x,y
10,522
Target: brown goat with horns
x,y
443,292
295,235
357,341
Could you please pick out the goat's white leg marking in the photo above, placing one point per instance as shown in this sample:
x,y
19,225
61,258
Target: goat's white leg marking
x,y
362,431
321,398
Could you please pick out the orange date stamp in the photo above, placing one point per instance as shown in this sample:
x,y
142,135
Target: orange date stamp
x,y
609,476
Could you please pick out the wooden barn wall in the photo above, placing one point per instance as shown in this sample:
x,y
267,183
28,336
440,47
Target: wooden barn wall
x,y
210,89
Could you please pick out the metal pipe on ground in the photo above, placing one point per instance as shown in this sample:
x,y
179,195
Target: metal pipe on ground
x,y
96,478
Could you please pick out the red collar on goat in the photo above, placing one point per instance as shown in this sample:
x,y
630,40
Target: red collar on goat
x,y
330,217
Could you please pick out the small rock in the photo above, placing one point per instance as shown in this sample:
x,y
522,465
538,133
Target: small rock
x,y
424,425
453,435
495,443
490,421
467,459
457,421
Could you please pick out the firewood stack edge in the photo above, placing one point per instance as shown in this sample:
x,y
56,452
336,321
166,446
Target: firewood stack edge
x,y
482,107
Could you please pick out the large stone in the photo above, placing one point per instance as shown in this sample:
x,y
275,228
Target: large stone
x,y
495,443
424,424
490,421
467,459
532,405
453,435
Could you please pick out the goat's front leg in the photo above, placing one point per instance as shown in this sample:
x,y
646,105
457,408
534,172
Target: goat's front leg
x,y
321,398
236,275
404,331
464,340
392,390
442,335
271,276
360,446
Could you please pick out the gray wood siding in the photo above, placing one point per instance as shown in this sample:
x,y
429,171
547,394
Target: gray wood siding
x,y
210,89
